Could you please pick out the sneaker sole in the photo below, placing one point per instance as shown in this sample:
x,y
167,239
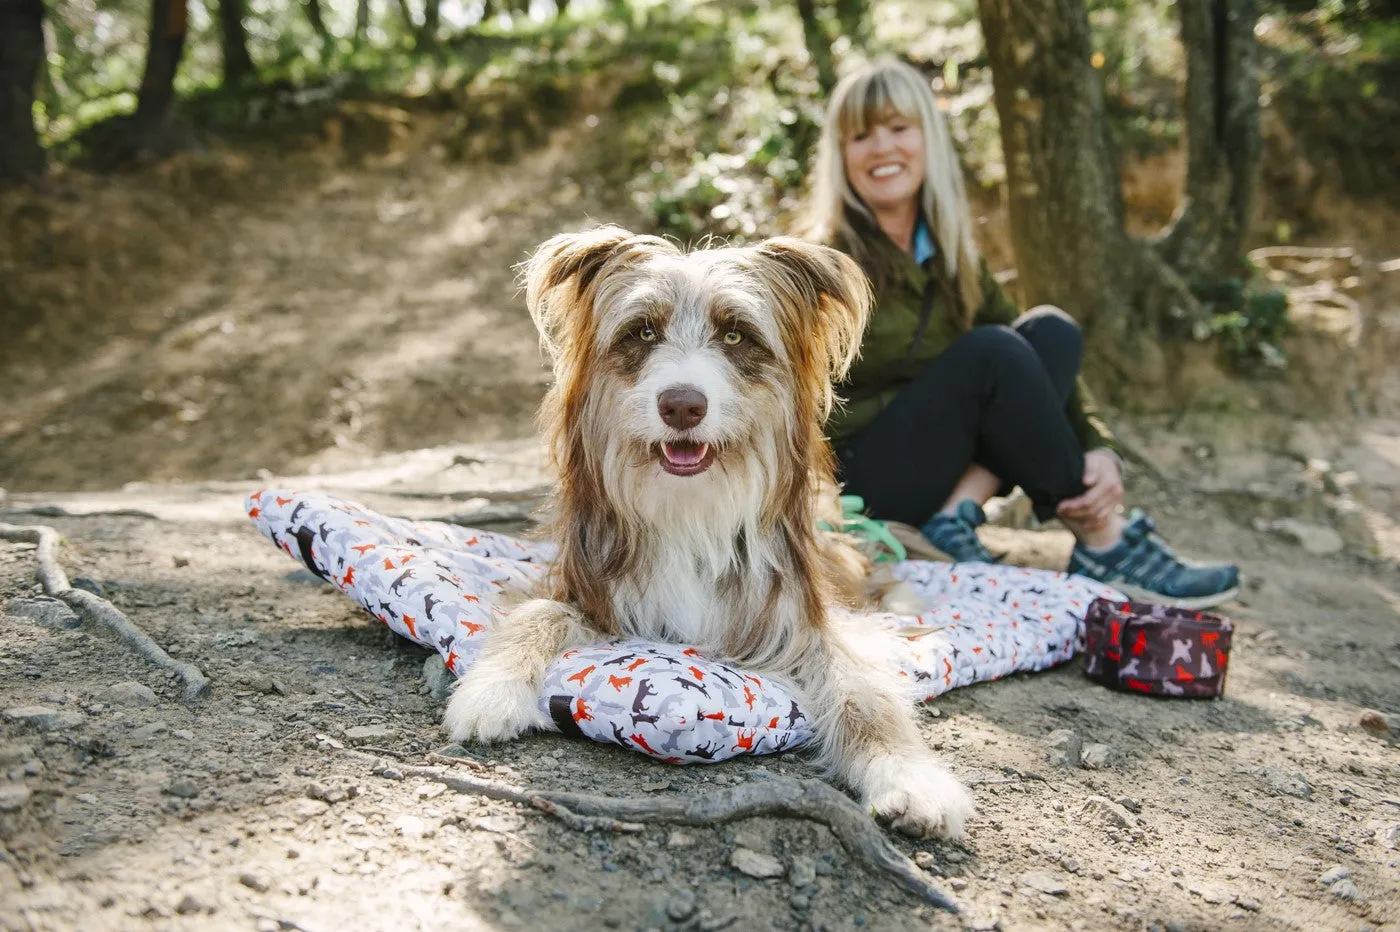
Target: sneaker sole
x,y
1190,603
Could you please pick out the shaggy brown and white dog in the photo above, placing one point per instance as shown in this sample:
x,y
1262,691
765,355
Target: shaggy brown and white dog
x,y
685,422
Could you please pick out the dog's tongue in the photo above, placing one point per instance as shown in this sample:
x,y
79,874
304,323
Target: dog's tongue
x,y
685,452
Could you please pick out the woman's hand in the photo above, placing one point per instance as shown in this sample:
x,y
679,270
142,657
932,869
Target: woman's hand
x,y
1103,492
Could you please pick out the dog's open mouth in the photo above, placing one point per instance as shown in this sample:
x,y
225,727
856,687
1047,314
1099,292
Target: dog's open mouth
x,y
686,457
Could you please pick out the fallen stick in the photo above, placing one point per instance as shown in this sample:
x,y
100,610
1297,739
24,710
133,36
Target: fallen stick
x,y
55,583
779,797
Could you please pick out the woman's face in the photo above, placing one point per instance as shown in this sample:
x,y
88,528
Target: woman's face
x,y
885,164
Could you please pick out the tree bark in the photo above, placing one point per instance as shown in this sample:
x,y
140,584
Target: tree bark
x,y
156,99
1208,233
317,19
1072,248
853,17
21,56
361,21
818,44
432,16
238,64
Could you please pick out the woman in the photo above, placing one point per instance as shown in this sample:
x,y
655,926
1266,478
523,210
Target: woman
x,y
954,396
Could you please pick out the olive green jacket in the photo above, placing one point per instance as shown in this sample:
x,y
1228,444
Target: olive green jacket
x,y
893,351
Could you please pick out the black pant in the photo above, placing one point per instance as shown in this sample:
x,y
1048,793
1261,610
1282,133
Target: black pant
x,y
995,397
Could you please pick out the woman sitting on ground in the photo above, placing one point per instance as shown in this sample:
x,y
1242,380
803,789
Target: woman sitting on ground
x,y
954,396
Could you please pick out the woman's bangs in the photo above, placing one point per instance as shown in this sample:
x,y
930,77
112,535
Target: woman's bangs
x,y
876,98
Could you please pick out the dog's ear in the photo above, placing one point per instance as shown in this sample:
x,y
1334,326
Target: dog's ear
x,y
563,273
828,294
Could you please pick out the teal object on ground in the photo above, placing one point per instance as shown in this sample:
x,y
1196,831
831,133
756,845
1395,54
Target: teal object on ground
x,y
855,522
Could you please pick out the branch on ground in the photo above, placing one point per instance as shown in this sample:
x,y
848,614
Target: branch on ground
x,y
812,800
55,584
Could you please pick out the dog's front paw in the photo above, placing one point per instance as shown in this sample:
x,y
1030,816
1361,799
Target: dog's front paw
x,y
492,706
916,796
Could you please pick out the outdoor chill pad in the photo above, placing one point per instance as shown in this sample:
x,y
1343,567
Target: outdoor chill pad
x,y
439,584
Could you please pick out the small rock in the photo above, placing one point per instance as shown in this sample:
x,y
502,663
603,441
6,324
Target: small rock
x,y
802,871
955,857
1288,782
1212,896
1130,803
1334,874
368,734
45,611
681,906
88,584
307,809
1316,539
1346,890
800,902
1044,883
180,560
679,839
189,903
437,677
1376,723
149,732
391,773
255,882
1109,812
926,861
1096,757
44,718
409,826
129,693
1246,903
185,789
957,883
984,924
13,797
1070,864
753,864
1063,748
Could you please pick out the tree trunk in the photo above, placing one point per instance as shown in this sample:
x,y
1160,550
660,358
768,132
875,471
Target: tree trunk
x,y
1072,248
852,15
156,99
818,45
21,55
238,64
317,19
361,21
410,24
432,16
1208,234
561,7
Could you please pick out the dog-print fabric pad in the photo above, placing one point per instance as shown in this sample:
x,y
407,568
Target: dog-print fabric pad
x,y
441,585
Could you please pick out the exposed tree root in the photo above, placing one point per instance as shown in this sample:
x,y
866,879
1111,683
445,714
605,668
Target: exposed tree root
x,y
55,584
777,798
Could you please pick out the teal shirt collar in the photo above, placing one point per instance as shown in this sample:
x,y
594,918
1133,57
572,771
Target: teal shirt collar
x,y
923,242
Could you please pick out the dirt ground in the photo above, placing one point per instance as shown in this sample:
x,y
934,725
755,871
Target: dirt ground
x,y
371,308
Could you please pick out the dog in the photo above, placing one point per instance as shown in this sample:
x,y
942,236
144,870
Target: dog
x,y
685,424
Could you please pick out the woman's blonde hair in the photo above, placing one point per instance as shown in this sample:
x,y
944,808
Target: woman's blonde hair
x,y
872,95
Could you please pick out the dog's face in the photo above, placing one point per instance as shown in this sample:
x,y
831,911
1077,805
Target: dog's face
x,y
676,373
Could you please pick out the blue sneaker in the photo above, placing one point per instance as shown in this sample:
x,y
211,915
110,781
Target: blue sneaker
x,y
956,534
1143,567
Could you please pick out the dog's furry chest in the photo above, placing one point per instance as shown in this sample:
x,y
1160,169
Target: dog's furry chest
x,y
688,597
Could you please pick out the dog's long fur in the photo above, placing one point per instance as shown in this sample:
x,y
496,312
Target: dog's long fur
x,y
728,559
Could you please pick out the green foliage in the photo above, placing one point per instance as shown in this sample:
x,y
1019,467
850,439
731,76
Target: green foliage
x,y
1249,325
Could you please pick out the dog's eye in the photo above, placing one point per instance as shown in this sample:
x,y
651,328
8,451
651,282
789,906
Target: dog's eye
x,y
647,333
733,337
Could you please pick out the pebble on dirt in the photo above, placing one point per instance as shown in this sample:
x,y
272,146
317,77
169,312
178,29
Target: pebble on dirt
x,y
1063,748
45,611
1096,757
436,677
13,797
754,864
368,734
129,693
44,717
1376,723
1044,883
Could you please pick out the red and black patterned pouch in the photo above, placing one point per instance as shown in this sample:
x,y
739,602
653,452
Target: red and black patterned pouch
x,y
1155,649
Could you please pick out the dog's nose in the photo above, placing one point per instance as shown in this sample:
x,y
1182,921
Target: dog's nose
x,y
682,408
